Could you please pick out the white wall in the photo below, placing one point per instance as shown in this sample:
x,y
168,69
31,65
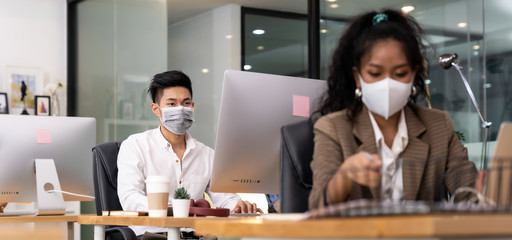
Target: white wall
x,y
34,36
203,42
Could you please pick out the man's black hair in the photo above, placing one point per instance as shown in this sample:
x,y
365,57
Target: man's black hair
x,y
167,79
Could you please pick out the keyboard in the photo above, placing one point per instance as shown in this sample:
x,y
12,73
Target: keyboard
x,y
366,207
8,213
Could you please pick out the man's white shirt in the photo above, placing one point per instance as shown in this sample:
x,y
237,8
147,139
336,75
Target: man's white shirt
x,y
148,153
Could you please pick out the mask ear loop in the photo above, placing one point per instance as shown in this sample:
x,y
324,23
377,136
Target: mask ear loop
x,y
161,114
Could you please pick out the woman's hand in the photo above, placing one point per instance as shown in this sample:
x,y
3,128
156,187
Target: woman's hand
x,y
480,181
363,168
246,207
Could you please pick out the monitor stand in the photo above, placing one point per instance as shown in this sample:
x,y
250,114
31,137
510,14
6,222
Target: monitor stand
x,y
48,203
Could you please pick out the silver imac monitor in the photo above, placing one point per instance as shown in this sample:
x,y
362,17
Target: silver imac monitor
x,y
499,182
65,142
254,107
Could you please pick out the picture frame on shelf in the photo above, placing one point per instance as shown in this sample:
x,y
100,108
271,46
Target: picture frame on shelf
x,y
42,105
4,103
22,83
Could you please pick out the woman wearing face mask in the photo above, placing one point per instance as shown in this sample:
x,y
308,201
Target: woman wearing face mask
x,y
372,140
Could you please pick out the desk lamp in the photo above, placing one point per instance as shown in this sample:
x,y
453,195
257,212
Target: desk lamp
x,y
447,61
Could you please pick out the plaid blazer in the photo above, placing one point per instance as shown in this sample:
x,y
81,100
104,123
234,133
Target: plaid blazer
x,y
434,155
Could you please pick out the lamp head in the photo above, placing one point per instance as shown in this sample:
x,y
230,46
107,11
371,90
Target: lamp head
x,y
446,60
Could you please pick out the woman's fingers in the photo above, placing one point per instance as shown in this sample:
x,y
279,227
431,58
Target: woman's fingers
x,y
363,168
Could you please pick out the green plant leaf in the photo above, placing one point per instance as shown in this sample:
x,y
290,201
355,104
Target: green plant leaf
x,y
181,193
461,136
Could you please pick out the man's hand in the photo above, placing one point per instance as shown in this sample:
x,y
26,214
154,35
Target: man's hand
x,y
246,207
2,206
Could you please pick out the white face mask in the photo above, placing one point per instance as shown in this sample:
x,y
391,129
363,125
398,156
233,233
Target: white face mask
x,y
177,119
385,97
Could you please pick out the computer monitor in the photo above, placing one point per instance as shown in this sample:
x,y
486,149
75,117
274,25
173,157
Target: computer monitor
x,y
499,182
68,141
254,107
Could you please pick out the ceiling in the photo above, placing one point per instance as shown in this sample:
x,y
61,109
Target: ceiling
x,y
178,10
438,17
450,12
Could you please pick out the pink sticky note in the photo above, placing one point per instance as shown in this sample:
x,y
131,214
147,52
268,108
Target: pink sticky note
x,y
300,106
43,136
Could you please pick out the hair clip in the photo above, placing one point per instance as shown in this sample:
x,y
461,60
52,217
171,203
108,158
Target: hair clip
x,y
379,18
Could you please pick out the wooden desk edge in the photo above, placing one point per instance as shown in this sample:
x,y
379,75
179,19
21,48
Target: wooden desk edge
x,y
35,219
474,225
136,221
442,225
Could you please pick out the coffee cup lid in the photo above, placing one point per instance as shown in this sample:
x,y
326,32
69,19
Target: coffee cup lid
x,y
157,178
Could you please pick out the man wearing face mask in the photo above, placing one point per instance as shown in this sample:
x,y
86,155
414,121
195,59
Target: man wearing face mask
x,y
169,151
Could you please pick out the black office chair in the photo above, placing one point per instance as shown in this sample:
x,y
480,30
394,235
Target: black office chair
x,y
105,187
297,144
296,176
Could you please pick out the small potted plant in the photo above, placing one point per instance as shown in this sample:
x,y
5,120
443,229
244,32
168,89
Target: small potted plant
x,y
181,203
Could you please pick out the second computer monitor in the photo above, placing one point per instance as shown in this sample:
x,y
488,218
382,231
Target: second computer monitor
x,y
254,107
68,141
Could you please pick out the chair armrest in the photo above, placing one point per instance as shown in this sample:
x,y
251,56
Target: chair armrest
x,y
126,232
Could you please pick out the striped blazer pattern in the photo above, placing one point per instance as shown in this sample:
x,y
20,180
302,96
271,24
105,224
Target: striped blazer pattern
x,y
434,155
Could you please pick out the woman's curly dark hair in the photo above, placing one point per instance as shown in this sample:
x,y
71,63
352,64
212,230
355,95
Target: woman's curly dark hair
x,y
357,41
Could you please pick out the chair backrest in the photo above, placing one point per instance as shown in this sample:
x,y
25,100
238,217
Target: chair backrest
x,y
296,176
105,176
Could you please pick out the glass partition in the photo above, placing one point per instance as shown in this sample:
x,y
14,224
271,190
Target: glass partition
x,y
119,50
274,42
119,46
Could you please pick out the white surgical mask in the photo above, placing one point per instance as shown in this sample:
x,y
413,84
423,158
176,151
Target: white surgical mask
x,y
385,97
177,119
